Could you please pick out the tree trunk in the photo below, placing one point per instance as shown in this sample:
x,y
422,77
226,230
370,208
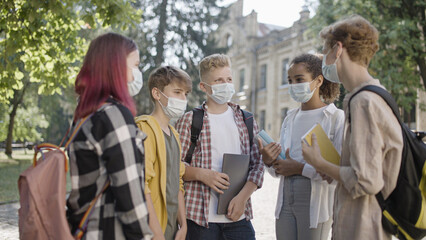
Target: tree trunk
x,y
422,66
18,97
160,36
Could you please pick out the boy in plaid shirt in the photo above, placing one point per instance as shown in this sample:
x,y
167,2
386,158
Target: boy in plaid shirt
x,y
223,131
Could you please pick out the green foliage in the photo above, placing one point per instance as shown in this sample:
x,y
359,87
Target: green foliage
x,y
59,112
41,47
3,122
40,38
400,61
180,38
28,122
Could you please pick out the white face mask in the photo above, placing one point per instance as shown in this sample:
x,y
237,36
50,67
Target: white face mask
x,y
222,93
136,85
330,71
175,107
301,92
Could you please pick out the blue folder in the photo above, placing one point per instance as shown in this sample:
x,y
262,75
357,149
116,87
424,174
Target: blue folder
x,y
266,139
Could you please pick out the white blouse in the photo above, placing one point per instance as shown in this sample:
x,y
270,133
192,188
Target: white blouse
x,y
322,193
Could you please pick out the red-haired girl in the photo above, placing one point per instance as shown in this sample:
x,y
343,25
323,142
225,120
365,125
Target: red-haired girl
x,y
108,146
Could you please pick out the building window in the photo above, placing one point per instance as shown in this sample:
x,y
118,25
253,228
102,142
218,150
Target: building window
x,y
284,68
242,82
283,114
263,76
262,119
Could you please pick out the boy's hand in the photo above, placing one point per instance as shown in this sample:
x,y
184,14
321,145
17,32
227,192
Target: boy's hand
x,y
159,236
270,152
236,208
215,180
288,166
181,233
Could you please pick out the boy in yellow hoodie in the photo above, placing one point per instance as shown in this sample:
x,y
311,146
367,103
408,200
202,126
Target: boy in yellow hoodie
x,y
168,88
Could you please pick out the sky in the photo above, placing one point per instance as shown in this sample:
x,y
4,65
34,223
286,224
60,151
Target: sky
x,y
277,12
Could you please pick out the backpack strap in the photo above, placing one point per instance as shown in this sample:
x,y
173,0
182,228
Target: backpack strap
x,y
49,147
248,120
197,125
82,227
382,93
392,104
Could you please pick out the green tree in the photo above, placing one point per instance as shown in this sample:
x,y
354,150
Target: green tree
x,y
40,44
175,32
400,62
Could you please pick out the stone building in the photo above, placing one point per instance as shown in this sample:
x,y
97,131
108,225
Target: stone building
x,y
260,55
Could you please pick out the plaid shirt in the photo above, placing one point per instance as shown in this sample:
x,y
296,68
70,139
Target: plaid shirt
x,y
109,147
197,194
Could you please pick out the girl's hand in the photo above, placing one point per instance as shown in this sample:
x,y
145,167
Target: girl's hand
x,y
270,152
326,177
288,166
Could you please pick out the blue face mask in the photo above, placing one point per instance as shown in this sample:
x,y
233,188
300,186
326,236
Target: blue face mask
x,y
301,92
330,71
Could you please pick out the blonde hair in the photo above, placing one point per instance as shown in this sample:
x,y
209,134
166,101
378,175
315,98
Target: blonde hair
x,y
212,62
357,35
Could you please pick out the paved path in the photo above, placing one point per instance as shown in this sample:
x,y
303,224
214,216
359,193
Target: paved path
x,y
263,204
264,201
9,221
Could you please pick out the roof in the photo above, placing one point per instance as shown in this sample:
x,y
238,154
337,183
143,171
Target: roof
x,y
265,29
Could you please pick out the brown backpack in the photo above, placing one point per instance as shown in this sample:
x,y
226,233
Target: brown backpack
x,y
42,190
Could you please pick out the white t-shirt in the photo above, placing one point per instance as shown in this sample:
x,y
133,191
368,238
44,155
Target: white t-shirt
x,y
305,120
225,138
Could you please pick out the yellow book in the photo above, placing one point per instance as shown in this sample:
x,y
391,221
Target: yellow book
x,y
328,151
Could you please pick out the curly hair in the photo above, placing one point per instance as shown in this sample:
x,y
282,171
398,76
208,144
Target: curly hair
x,y
328,91
356,34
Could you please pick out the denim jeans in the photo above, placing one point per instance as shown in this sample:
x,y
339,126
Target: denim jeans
x,y
218,231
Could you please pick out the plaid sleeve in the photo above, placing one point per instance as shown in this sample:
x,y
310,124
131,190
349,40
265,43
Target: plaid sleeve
x,y
122,151
256,168
183,127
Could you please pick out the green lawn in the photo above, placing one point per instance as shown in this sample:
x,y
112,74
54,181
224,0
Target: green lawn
x,y
9,173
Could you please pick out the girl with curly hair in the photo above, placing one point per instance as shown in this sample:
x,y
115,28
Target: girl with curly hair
x,y
305,199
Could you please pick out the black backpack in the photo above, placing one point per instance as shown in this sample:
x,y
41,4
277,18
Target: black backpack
x,y
197,125
404,211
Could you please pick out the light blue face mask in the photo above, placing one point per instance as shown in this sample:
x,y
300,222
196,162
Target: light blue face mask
x,y
301,92
330,71
137,83
221,93
175,107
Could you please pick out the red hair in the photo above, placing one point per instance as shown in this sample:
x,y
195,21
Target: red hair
x,y
104,74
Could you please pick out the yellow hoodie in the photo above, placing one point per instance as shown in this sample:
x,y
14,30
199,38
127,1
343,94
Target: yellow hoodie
x,y
156,164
